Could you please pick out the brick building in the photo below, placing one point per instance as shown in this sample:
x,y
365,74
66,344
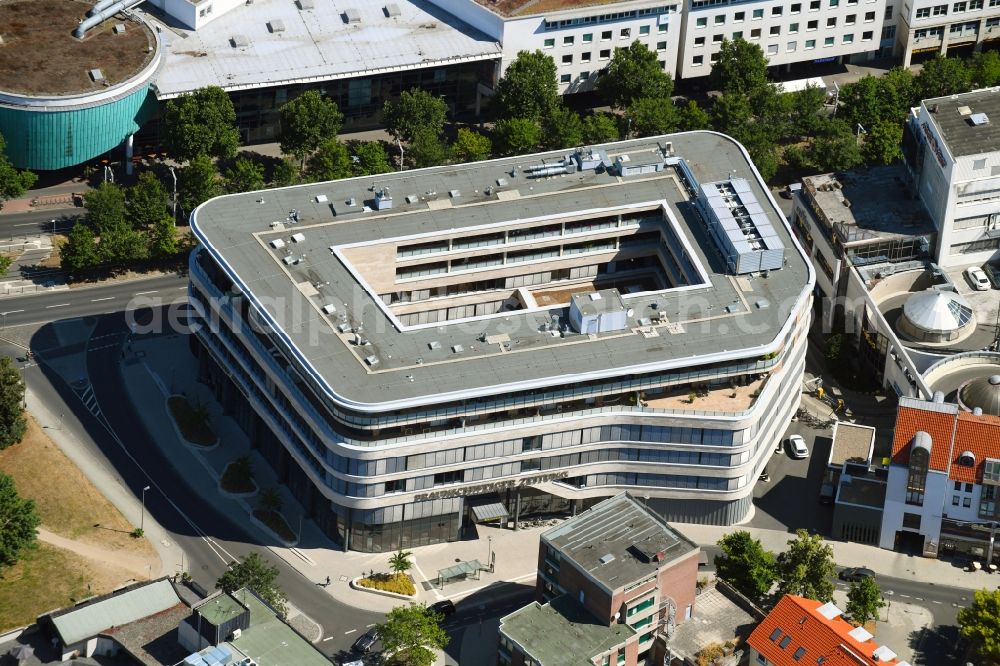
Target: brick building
x,y
800,632
612,584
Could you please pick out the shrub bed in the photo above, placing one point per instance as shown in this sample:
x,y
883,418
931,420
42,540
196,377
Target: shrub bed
x,y
276,522
399,583
235,482
194,428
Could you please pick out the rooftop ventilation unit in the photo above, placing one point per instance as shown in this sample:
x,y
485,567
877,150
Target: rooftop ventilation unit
x,y
383,200
979,119
276,25
371,360
298,238
606,559
239,41
329,308
277,243
321,198
434,344
458,349
391,10
96,75
454,194
119,28
351,16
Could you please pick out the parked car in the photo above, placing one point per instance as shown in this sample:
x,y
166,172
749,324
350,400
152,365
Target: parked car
x,y
365,641
977,278
992,271
445,607
797,447
854,574
827,493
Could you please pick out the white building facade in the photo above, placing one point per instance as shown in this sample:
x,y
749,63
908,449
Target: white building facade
x,y
937,26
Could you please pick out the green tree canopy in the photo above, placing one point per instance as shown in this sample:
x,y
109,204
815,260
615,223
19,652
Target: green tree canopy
x,y
427,149
330,162
203,122
197,183
516,136
835,148
941,76
883,143
79,252
416,111
410,634
746,565
306,122
600,128
400,561
147,201
372,158
257,574
980,625
806,567
732,114
741,68
285,173
121,245
634,73
163,242
528,89
470,146
864,601
19,521
244,175
12,421
652,115
105,206
873,99
562,128
805,106
692,117
13,182
984,68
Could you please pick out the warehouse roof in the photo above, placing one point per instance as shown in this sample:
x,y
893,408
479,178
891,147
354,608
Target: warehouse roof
x,y
293,250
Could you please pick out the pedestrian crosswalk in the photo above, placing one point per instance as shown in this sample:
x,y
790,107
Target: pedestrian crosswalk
x,y
89,400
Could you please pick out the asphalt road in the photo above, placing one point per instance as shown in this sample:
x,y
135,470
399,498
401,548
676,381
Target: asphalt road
x,y
38,222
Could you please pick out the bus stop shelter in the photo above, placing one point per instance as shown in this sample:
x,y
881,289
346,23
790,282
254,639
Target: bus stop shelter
x,y
461,570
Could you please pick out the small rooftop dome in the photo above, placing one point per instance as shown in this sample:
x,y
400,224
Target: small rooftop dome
x,y
982,393
936,316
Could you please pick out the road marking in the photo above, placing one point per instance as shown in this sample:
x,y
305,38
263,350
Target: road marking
x,y
184,288
141,293
11,312
937,602
905,596
328,638
28,224
106,298
370,625
59,305
345,633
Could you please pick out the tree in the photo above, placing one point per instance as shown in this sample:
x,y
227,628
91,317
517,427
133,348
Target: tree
x,y
411,633
562,128
163,239
528,89
806,567
330,162
805,106
79,252
652,115
600,128
203,122
120,245
470,146
516,136
732,114
147,201
18,522
13,183
105,206
980,625
746,565
5,264
400,561
835,148
12,421
882,143
691,117
244,175
984,69
632,74
306,122
741,69
427,149
941,76
270,500
371,158
284,174
415,111
864,601
258,575
197,183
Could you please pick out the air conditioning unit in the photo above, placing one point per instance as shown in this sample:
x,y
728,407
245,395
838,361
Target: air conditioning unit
x,y
236,634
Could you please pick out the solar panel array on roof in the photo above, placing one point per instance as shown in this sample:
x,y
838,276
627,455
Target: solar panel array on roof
x,y
740,227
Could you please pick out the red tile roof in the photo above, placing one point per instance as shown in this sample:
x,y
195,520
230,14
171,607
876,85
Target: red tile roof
x,y
798,619
940,426
981,436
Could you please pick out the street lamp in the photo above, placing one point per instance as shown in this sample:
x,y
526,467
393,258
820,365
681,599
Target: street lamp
x,y
173,205
142,516
490,560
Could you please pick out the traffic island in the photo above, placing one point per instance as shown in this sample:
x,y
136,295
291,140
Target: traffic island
x,y
398,585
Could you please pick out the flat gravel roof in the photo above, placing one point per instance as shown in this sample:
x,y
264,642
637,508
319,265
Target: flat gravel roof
x,y
726,318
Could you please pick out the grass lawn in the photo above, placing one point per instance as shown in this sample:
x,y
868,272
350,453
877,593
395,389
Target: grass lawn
x,y
46,578
195,430
276,522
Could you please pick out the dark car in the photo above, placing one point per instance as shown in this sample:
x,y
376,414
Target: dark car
x,y
445,607
854,574
365,641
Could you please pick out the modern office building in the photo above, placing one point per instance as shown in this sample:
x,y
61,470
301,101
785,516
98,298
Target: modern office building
x,y
952,150
534,333
805,631
613,584
925,28
942,495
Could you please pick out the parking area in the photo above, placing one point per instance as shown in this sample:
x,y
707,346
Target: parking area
x,y
984,303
